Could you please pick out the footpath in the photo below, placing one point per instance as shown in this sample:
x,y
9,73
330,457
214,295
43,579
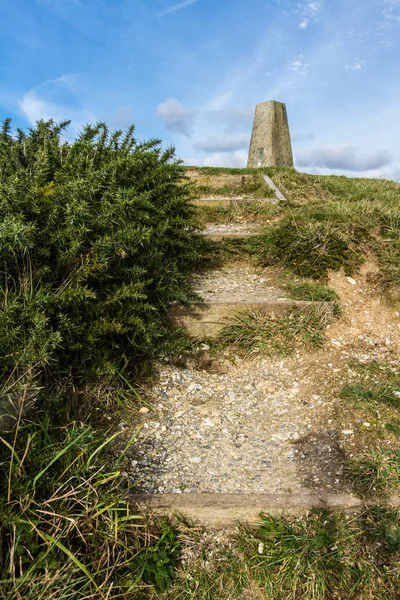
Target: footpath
x,y
229,436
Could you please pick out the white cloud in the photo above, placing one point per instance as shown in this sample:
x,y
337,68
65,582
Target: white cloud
x,y
176,7
176,117
356,66
295,65
223,143
236,159
314,7
303,24
342,157
36,105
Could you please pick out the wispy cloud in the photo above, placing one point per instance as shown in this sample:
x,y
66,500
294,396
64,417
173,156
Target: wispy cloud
x,y
343,157
176,7
38,103
176,117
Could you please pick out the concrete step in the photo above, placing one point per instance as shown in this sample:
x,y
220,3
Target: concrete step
x,y
217,511
208,319
228,201
218,231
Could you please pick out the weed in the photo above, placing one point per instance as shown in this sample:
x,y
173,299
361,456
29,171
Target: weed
x,y
156,562
319,557
65,529
387,393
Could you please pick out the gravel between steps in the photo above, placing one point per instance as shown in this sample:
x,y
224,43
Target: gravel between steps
x,y
231,229
244,430
238,283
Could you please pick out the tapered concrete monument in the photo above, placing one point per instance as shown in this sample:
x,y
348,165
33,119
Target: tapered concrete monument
x,y
270,144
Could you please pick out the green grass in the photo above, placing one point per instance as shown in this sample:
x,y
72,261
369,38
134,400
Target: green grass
x,y
66,529
247,185
257,332
223,170
375,473
310,290
319,557
374,393
330,223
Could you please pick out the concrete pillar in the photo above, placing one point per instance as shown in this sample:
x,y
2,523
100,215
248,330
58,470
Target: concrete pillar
x,y
270,144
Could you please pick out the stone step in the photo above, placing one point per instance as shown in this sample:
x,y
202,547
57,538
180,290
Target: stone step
x,y
218,231
207,320
228,201
217,511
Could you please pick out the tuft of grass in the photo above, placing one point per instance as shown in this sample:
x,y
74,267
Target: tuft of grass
x,y
313,291
376,472
310,248
257,332
318,557
66,530
387,393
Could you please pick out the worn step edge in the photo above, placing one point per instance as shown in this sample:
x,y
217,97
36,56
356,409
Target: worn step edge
x,y
224,510
280,197
235,233
229,201
206,320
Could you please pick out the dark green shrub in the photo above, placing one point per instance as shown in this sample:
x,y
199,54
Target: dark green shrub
x,y
95,241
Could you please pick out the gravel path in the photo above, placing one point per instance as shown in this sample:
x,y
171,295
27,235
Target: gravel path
x,y
232,425
244,429
238,283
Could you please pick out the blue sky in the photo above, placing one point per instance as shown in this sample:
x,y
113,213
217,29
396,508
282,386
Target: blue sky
x,y
191,72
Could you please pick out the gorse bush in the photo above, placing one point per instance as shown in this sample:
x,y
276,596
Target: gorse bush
x,y
95,241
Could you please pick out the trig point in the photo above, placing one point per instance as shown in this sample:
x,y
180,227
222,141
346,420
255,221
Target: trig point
x,y
270,144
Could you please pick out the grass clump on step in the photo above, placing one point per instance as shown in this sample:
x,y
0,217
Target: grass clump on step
x,y
258,332
310,249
